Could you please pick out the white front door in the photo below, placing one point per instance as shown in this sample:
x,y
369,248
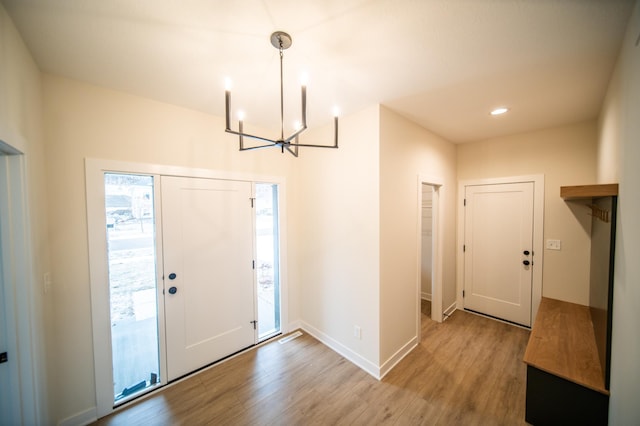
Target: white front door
x,y
208,273
498,250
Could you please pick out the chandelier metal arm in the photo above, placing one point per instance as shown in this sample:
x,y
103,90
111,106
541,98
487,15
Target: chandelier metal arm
x,y
247,135
312,145
292,151
295,135
250,148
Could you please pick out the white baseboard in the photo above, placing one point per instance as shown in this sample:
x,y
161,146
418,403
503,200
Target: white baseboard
x,y
338,347
82,418
426,296
398,356
447,312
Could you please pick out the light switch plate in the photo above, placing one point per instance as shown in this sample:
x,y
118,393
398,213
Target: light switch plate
x,y
553,245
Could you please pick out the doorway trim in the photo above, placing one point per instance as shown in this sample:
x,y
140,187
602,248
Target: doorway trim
x,y
98,269
437,250
17,282
538,234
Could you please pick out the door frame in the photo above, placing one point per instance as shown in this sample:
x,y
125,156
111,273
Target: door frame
x,y
17,285
538,234
437,250
98,264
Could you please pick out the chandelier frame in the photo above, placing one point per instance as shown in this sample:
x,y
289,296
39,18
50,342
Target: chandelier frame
x,y
281,41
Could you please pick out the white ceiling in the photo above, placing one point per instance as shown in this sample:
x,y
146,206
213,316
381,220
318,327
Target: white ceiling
x,y
441,63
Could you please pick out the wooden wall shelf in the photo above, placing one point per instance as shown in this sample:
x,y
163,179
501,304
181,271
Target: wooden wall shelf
x,y
585,192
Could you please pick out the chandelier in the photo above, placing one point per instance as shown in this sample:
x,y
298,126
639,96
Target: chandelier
x,y
281,41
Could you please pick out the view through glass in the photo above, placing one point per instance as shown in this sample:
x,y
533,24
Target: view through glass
x,y
132,283
267,265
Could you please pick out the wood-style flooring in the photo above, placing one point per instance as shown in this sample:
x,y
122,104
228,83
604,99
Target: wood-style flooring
x,y
466,371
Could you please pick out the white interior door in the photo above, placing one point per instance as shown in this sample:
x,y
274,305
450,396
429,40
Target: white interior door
x,y
208,273
498,257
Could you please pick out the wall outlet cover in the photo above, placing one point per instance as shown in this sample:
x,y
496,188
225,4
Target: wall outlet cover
x,y
553,245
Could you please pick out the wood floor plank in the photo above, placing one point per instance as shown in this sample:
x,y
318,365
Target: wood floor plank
x,y
467,370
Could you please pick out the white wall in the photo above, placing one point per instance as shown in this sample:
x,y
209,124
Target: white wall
x,y
407,151
21,127
619,159
337,226
566,156
82,121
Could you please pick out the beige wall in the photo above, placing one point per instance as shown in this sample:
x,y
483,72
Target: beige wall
x,y
337,215
566,156
21,127
406,151
87,121
619,160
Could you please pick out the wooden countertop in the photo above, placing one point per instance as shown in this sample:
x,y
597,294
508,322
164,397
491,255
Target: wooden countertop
x,y
563,343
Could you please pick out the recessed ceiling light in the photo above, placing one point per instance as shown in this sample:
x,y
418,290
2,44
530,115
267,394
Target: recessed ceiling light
x,y
499,111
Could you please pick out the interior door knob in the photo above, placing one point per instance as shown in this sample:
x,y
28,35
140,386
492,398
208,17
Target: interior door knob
x,y
526,262
172,276
173,290
526,252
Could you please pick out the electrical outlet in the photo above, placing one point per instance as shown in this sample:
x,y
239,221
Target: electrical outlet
x,y
553,245
357,332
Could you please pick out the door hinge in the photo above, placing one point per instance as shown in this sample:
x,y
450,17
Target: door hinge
x,y
254,322
4,357
252,201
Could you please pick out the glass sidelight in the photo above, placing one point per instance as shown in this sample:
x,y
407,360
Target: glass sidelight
x,y
267,260
131,248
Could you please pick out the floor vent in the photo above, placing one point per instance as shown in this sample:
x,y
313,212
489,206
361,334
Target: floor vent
x,y
290,337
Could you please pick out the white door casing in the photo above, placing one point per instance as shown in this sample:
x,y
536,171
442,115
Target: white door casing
x,y
498,241
94,172
19,383
208,245
437,249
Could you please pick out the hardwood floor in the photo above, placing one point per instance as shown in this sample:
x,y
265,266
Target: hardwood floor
x,y
466,371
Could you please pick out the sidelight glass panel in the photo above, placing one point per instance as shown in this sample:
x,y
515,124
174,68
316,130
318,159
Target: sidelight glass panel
x,y
129,210
267,260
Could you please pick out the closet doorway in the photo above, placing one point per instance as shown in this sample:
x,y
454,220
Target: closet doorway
x,y
429,249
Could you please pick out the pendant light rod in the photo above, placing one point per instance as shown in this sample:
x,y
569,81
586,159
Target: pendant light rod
x,y
282,95
281,41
